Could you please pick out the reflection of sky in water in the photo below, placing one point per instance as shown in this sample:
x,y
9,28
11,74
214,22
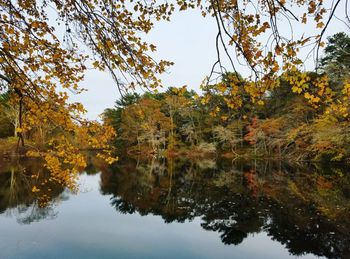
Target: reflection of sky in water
x,y
88,227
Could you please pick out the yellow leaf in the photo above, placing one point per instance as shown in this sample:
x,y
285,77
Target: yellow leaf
x,y
320,25
35,189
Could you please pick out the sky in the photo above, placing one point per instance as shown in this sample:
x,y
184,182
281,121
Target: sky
x,y
189,41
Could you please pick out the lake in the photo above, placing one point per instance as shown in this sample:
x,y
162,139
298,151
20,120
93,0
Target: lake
x,y
176,209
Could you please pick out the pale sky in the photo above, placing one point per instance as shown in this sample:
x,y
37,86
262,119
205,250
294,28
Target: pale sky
x,y
189,41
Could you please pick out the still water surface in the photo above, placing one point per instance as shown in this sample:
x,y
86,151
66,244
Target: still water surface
x,y
177,209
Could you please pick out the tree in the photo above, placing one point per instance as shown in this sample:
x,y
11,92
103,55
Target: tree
x,y
229,135
174,103
330,139
113,116
256,136
336,60
9,113
143,123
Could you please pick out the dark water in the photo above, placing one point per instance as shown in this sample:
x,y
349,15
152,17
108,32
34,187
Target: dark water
x,y
177,209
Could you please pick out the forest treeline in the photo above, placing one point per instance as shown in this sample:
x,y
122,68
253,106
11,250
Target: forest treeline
x,y
300,119
284,123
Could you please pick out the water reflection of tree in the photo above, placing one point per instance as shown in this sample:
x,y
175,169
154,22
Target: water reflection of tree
x,y
17,198
290,203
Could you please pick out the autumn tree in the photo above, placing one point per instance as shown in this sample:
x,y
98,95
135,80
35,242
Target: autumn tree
x,y
255,135
143,123
228,135
330,139
113,116
175,103
9,112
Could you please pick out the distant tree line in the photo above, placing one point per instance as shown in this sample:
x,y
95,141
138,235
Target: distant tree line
x,y
287,122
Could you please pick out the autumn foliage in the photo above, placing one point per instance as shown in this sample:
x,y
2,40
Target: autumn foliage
x,y
286,123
